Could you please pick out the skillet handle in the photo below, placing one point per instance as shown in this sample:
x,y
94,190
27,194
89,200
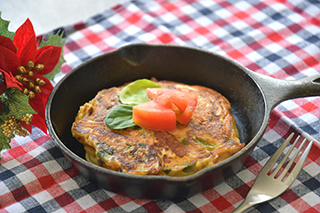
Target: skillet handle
x,y
278,90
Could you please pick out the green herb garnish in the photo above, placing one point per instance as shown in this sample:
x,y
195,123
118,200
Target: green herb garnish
x,y
120,117
135,92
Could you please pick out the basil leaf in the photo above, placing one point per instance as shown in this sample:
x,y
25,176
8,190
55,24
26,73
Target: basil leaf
x,y
120,117
135,92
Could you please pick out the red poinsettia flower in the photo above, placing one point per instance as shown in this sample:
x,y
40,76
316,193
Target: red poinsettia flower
x,y
23,65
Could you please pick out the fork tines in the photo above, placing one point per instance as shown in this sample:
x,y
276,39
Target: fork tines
x,y
295,171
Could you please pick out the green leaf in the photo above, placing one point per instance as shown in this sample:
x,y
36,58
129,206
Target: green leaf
x,y
55,40
4,28
4,141
120,117
135,92
14,102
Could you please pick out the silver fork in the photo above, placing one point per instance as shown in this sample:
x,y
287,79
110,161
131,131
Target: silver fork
x,y
267,187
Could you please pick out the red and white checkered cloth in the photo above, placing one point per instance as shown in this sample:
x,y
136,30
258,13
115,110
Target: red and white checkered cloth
x,y
276,38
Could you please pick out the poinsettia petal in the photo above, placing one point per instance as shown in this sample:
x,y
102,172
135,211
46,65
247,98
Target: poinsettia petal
x,y
48,56
28,127
7,43
10,80
43,55
38,104
23,35
8,60
29,51
39,122
47,88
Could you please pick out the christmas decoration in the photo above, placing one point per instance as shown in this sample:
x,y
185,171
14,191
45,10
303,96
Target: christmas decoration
x,y
26,69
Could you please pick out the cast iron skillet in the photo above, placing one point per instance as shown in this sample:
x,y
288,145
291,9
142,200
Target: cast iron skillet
x,y
252,97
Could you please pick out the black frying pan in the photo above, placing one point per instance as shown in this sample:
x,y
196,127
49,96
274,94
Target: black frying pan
x,y
252,97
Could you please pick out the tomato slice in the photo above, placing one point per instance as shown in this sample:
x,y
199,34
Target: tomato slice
x,y
152,115
183,103
154,93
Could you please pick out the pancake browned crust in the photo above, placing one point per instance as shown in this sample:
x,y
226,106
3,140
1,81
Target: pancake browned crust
x,y
210,136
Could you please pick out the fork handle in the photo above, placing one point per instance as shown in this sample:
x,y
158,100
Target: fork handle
x,y
243,206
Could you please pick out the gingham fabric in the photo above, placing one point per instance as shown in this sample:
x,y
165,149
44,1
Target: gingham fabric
x,y
275,38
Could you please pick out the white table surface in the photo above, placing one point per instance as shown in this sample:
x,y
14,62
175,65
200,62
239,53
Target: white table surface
x,y
47,15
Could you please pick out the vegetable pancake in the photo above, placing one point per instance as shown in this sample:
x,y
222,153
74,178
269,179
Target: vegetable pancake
x,y
209,137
